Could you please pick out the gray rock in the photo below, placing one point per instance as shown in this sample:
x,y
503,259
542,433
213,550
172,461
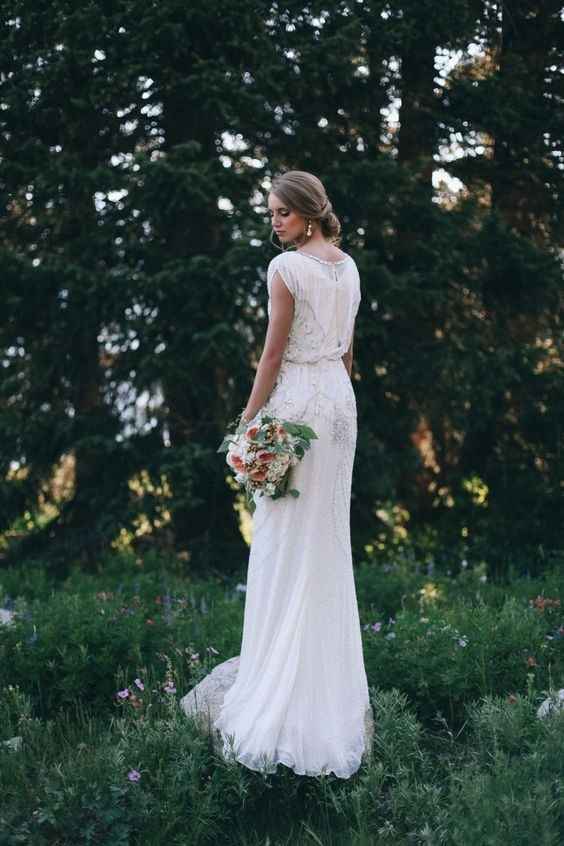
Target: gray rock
x,y
13,744
552,705
203,702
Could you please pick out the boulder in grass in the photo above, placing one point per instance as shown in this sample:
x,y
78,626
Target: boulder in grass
x,y
204,701
552,705
12,745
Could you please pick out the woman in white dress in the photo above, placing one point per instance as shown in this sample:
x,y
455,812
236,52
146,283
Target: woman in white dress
x,y
301,694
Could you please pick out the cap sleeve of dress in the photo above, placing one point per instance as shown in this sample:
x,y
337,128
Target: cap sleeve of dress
x,y
357,295
281,264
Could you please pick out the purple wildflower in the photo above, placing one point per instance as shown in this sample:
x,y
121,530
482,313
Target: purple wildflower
x,y
134,775
139,684
123,694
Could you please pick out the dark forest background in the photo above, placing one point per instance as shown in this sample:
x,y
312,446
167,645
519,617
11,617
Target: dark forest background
x,y
138,141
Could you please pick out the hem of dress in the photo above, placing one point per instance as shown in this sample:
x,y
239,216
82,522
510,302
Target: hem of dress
x,y
270,765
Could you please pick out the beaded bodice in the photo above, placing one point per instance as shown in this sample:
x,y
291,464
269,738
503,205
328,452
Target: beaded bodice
x,y
326,300
312,381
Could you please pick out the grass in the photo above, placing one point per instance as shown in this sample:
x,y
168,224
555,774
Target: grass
x,y
457,668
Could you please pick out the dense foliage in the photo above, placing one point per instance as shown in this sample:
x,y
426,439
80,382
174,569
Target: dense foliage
x,y
137,145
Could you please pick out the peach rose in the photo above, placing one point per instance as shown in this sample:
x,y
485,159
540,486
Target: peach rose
x,y
258,475
236,462
265,456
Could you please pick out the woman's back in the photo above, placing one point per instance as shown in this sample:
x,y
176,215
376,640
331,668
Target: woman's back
x,y
327,296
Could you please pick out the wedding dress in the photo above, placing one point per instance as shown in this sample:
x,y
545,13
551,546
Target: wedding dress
x,y
301,692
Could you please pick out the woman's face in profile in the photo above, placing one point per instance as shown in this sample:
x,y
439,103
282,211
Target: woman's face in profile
x,y
287,224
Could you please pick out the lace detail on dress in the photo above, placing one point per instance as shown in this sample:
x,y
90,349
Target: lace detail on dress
x,y
306,334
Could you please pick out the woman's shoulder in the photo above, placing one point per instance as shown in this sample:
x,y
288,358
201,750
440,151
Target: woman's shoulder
x,y
296,255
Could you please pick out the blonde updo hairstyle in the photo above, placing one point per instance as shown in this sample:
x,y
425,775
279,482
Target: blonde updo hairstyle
x,y
302,192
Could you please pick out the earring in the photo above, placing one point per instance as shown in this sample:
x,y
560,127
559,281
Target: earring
x,y
309,229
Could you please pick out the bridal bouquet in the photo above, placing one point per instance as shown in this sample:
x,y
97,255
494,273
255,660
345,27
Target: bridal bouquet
x,y
262,454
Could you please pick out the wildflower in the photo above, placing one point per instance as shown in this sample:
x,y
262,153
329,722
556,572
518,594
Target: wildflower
x,y
150,622
462,641
390,635
139,684
391,621
542,602
429,592
123,694
169,687
195,657
376,627
464,563
104,595
134,775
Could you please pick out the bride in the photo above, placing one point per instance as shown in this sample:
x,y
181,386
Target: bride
x,y
301,694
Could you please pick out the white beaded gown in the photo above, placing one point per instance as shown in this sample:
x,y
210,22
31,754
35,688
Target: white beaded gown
x,y
301,692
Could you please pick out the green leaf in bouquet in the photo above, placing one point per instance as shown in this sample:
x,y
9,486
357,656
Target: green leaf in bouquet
x,y
251,505
293,492
307,432
301,430
291,428
224,446
302,443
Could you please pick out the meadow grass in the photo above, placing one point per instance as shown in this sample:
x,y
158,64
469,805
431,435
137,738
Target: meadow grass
x,y
457,668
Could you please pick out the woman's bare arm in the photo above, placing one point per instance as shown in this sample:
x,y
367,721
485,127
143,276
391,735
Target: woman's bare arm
x,y
281,316
348,356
